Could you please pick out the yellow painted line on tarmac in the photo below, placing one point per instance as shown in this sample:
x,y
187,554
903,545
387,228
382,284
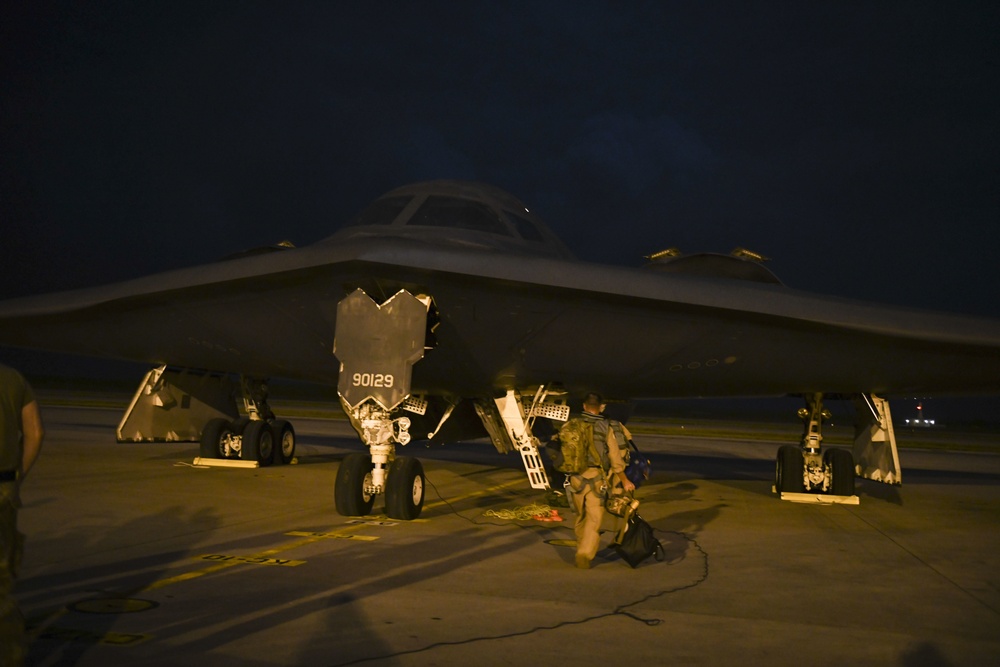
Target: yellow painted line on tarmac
x,y
383,520
185,577
333,536
252,560
474,494
242,560
90,637
375,521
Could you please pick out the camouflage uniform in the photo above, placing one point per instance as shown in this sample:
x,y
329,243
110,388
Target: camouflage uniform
x,y
586,490
15,393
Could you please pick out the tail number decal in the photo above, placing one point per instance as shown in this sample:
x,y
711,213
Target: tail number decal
x,y
373,380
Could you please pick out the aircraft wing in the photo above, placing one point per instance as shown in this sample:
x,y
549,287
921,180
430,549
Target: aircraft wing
x,y
462,285
509,319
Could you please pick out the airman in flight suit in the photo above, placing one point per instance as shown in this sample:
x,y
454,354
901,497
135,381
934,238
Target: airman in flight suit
x,y
588,489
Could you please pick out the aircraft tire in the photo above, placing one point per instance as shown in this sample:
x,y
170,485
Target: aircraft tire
x,y
788,473
212,436
404,493
841,462
284,441
239,424
349,489
258,443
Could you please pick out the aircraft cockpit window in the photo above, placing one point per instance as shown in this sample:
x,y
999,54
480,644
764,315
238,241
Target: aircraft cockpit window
x,y
382,211
526,228
440,211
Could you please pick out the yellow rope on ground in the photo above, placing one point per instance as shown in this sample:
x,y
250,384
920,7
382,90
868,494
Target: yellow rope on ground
x,y
526,513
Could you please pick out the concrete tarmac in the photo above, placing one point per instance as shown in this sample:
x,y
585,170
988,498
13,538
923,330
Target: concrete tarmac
x,y
134,557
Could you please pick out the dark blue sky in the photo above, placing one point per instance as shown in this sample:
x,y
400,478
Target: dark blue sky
x,y
856,144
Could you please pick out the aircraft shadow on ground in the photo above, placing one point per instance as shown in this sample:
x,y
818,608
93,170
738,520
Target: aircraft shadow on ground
x,y
347,577
64,636
341,580
61,635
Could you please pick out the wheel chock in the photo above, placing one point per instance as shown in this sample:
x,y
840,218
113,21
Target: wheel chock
x,y
224,463
820,499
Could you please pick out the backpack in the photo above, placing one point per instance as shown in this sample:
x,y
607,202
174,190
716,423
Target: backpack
x,y
576,438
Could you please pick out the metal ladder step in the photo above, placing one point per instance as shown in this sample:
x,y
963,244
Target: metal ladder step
x,y
532,460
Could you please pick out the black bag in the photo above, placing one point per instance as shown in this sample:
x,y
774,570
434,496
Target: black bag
x,y
638,543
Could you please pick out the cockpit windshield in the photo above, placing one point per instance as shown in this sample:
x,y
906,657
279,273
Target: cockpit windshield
x,y
439,211
382,211
526,228
456,214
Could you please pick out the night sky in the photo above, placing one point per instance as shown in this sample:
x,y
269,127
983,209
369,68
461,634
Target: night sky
x,y
855,144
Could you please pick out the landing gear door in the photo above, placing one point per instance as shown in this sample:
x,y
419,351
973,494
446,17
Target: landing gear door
x,y
377,346
875,454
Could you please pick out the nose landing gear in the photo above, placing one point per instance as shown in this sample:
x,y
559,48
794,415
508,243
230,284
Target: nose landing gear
x,y
809,474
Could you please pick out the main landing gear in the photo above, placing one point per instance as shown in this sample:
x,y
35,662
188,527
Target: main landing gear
x,y
257,438
179,404
807,474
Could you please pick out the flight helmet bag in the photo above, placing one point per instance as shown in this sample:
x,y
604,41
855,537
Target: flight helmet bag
x,y
638,467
